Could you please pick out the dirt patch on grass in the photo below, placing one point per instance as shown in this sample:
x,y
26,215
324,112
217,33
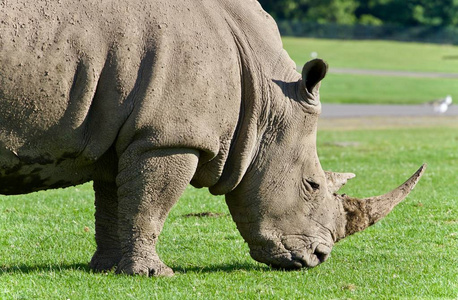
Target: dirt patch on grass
x,y
206,214
386,122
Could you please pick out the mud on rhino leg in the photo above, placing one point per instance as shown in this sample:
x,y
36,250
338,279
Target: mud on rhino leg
x,y
108,252
149,184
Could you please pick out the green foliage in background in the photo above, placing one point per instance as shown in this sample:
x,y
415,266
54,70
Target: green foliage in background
x,y
368,12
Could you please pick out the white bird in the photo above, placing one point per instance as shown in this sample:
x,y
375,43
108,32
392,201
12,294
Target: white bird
x,y
441,105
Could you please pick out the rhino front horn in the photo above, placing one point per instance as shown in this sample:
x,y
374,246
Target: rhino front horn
x,y
361,213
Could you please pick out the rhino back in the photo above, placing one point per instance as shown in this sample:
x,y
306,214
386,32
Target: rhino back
x,y
55,118
80,78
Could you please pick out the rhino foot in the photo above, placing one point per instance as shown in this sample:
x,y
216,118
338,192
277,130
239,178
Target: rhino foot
x,y
101,262
144,267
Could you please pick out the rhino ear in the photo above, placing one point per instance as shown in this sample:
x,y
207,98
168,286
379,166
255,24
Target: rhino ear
x,y
312,73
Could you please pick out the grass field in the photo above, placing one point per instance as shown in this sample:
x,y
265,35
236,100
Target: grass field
x,y
47,237
380,55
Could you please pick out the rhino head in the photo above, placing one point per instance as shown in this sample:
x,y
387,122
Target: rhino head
x,y
286,207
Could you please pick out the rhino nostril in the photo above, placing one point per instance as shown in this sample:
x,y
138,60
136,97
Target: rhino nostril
x,y
321,256
322,252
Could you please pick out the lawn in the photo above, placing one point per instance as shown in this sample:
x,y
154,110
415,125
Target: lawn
x,y
380,55
47,237
376,55
344,88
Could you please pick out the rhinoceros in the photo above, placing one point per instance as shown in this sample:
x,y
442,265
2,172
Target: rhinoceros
x,y
144,97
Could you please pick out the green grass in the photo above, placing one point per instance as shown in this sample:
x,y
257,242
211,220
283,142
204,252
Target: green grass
x,y
380,55
344,88
47,239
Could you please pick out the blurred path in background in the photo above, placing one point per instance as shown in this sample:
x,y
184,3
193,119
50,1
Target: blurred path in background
x,y
431,109
380,110
361,117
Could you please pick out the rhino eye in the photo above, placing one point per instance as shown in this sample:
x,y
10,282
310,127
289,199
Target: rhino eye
x,y
313,185
310,186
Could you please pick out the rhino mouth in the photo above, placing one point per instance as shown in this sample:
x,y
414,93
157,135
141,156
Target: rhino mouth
x,y
293,259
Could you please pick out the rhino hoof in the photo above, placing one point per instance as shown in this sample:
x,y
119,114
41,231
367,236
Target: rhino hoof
x,y
144,267
104,262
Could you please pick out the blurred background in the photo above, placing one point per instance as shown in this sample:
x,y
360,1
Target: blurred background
x,y
379,51
412,20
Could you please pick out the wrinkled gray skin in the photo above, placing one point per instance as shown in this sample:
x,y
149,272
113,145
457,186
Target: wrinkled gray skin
x,y
144,97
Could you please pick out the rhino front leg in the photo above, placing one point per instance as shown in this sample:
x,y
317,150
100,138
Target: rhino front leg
x,y
149,184
108,252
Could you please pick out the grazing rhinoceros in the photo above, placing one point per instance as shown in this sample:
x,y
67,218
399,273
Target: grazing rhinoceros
x,y
146,96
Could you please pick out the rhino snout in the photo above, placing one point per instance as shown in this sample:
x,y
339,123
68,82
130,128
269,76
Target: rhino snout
x,y
290,259
311,258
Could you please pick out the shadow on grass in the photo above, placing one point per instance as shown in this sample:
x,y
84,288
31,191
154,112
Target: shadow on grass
x,y
225,268
51,268
28,269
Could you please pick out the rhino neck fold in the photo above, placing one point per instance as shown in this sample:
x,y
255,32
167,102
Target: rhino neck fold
x,y
254,109
245,136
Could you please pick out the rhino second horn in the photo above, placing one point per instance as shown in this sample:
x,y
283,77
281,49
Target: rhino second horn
x,y
336,180
361,213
